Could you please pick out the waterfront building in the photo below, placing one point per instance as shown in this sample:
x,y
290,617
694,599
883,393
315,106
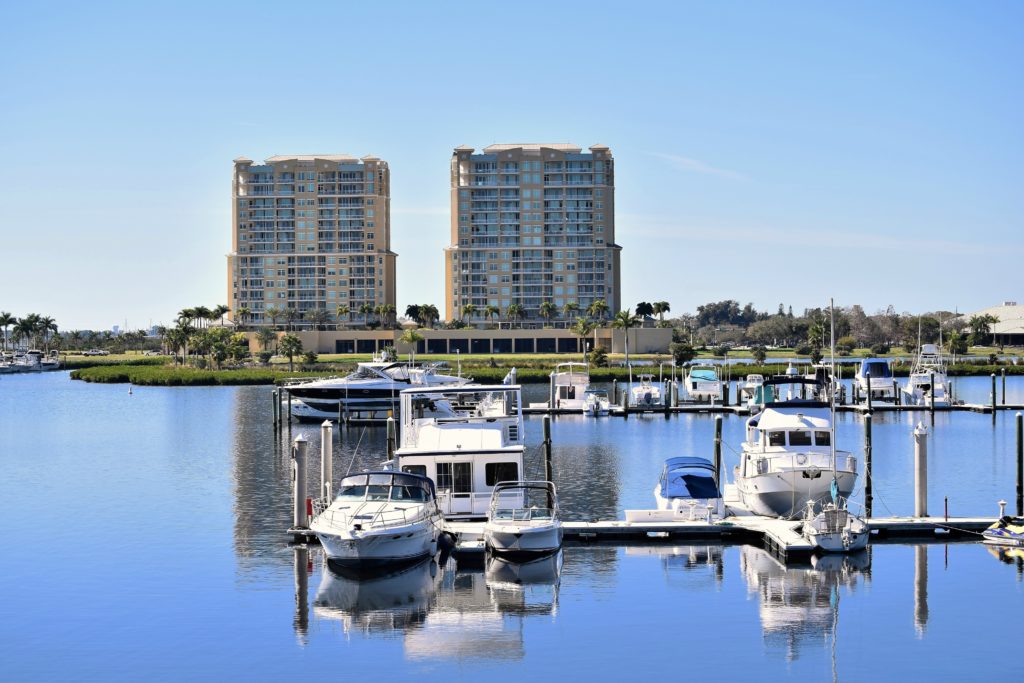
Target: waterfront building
x,y
310,233
532,223
1009,328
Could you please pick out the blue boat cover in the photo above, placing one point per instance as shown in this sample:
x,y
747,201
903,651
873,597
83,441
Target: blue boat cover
x,y
703,375
689,477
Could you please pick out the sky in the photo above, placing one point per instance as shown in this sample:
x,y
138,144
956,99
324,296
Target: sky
x,y
770,153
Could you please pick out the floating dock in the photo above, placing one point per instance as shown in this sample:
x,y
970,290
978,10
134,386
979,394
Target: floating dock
x,y
779,536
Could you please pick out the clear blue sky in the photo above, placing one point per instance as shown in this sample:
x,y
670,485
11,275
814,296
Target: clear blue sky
x,y
765,152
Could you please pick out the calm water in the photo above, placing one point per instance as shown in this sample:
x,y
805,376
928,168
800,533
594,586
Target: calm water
x,y
142,538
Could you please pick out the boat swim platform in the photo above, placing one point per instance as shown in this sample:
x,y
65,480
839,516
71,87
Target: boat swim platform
x,y
781,537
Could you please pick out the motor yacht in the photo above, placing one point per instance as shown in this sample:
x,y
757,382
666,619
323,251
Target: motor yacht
x,y
380,518
704,383
569,384
875,376
927,383
596,402
646,394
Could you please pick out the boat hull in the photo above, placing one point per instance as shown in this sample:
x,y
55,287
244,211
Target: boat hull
x,y
522,541
785,494
379,548
837,542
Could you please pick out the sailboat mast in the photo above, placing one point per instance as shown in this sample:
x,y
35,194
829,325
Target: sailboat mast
x,y
832,393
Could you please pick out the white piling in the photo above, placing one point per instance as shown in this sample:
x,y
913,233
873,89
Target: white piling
x,y
921,470
326,460
299,519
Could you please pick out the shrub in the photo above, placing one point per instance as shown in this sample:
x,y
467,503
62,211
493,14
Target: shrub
x,y
682,352
598,357
759,354
847,344
803,349
879,349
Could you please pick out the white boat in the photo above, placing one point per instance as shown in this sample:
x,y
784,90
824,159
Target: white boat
x,y
596,402
927,383
704,383
50,361
30,361
465,452
647,394
788,459
523,520
750,390
569,384
687,485
880,384
373,388
378,519
832,528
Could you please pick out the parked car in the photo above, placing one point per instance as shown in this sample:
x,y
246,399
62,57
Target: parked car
x,y
96,352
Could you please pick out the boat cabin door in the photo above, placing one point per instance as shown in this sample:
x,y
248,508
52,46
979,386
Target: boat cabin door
x,y
455,487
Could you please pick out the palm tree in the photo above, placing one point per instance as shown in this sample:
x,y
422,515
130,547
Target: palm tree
x,y
570,308
624,320
643,310
203,314
365,310
316,316
660,309
46,326
6,320
266,337
243,317
491,312
411,337
598,309
76,339
547,310
219,311
412,311
273,312
186,315
389,313
429,314
290,316
468,310
291,346
343,311
582,328
514,312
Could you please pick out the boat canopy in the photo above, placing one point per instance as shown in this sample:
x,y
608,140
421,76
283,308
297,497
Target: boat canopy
x,y
878,367
689,477
703,375
790,418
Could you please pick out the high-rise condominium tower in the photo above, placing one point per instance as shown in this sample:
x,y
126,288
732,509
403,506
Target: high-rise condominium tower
x,y
310,234
532,223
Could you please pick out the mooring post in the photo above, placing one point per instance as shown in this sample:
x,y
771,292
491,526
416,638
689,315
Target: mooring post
x,y
625,402
615,391
548,474
666,399
1020,465
1003,371
897,396
993,398
867,375
868,496
299,518
718,452
273,411
551,392
289,409
392,437
326,460
931,394
725,393
921,470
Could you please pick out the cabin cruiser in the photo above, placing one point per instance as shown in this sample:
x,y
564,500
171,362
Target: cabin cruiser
x,y
687,485
875,376
788,459
30,361
647,394
51,361
523,520
596,402
832,528
704,383
569,384
380,518
465,452
373,387
927,384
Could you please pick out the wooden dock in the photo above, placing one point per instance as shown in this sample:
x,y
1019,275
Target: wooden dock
x,y
779,536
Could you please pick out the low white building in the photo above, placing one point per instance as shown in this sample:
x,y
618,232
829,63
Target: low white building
x,y
1010,328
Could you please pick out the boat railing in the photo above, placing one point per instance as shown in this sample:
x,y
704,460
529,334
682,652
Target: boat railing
x,y
381,519
805,460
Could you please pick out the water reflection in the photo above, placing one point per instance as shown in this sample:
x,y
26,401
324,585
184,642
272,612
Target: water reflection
x,y
692,566
444,611
1010,556
801,604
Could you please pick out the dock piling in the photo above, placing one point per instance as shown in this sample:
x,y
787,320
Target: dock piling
x,y
718,452
615,392
931,395
921,470
300,519
548,473
725,393
868,376
1020,465
868,496
289,409
275,408
1003,371
993,398
326,460
897,397
551,393
392,437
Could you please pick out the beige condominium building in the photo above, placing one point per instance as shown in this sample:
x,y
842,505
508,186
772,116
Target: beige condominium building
x,y
532,223
310,233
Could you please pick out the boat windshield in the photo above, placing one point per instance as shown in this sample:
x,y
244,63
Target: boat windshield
x,y
703,375
383,487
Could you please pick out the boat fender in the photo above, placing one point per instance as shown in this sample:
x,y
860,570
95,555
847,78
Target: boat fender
x,y
309,507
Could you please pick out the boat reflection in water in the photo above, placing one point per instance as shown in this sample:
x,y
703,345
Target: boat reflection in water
x,y
686,565
800,604
1008,555
442,611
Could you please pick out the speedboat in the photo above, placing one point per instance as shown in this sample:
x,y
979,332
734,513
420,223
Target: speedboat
x,y
379,519
1007,531
927,382
704,383
787,459
832,528
50,361
875,376
569,384
596,402
523,520
647,394
465,452
374,387
687,485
